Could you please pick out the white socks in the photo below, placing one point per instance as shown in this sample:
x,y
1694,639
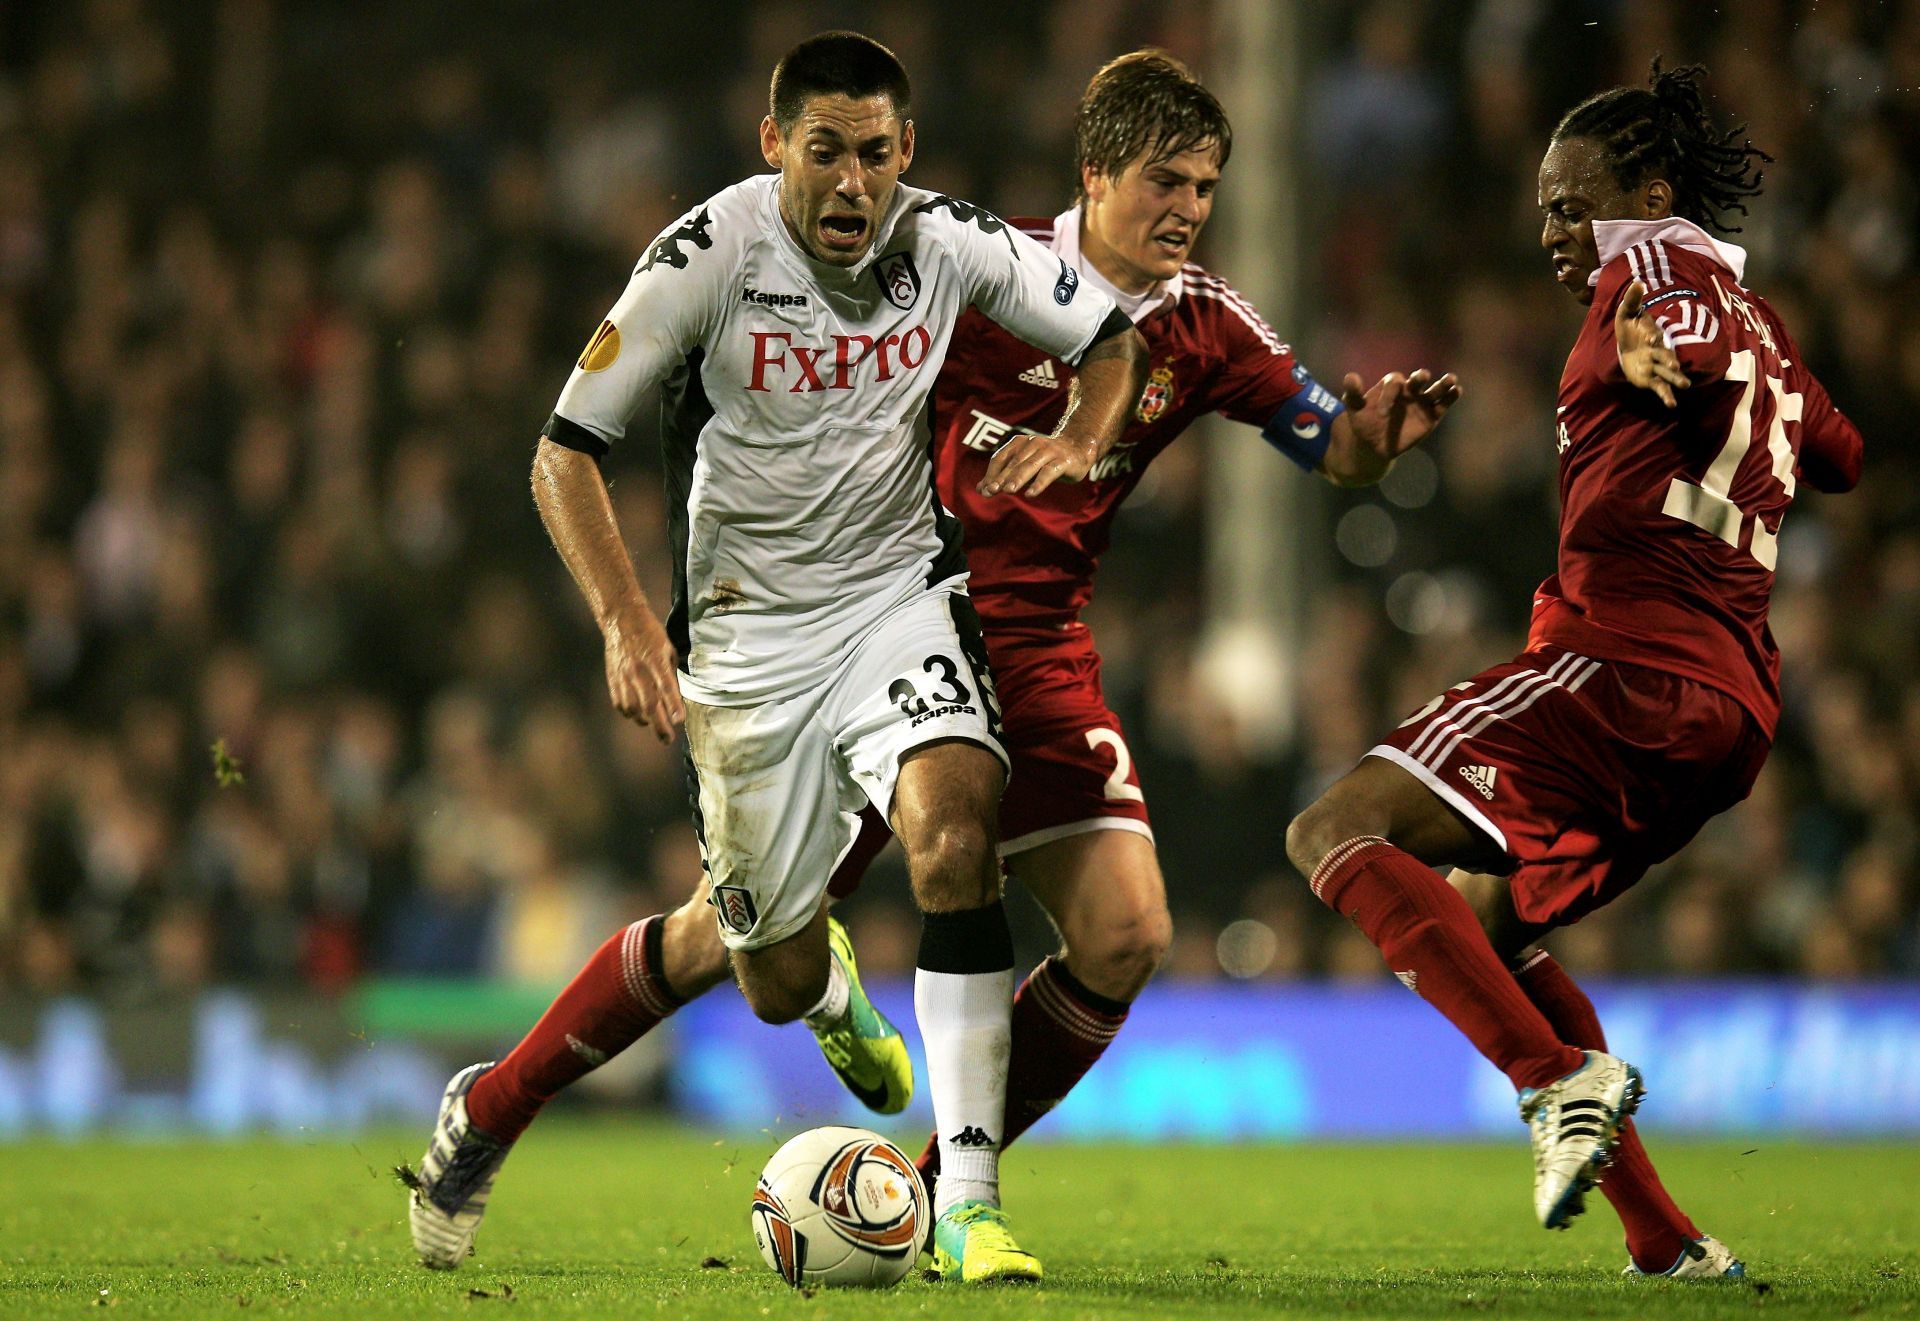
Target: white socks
x,y
832,1009
966,1024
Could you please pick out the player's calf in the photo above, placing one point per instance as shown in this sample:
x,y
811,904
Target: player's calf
x,y
785,981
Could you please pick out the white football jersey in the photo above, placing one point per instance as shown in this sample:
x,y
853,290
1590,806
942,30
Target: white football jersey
x,y
800,492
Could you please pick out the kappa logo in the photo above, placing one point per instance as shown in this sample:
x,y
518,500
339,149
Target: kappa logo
x,y
1042,375
1481,778
971,1136
899,279
735,906
765,299
668,249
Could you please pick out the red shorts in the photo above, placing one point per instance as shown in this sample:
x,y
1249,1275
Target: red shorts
x,y
1585,773
1072,770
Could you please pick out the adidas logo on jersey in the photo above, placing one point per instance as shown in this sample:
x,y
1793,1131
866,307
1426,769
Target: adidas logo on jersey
x,y
1041,375
1481,778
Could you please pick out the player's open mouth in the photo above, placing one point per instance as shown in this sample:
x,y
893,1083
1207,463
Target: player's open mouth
x,y
1565,269
842,233
1172,244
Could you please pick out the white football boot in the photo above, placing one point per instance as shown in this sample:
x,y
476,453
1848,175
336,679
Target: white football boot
x,y
1575,1123
449,1194
1702,1259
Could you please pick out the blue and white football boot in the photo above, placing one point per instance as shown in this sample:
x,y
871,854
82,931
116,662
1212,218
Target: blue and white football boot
x,y
449,1193
1575,1125
1702,1259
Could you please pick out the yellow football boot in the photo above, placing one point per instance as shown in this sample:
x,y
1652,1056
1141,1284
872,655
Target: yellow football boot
x,y
972,1244
865,1050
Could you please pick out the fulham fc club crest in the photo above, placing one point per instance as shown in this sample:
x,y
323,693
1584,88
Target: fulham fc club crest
x,y
899,279
735,907
1158,394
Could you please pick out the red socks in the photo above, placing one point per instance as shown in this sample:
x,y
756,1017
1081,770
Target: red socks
x,y
608,1006
1060,1028
1657,1230
1432,941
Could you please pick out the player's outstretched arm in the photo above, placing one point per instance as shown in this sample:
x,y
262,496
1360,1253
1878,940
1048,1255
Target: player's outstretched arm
x,y
1646,359
573,503
1381,424
1110,378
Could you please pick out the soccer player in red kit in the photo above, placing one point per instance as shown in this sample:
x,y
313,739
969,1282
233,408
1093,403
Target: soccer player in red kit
x,y
1647,698
1151,143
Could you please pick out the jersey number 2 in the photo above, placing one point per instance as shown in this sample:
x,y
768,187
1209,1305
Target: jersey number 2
x,y
1708,504
1117,787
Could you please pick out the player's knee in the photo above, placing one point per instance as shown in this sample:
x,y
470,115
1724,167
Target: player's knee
x,y
1121,957
784,1000
953,865
1314,833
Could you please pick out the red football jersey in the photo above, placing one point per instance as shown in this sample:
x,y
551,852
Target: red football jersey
x,y
1032,559
1669,519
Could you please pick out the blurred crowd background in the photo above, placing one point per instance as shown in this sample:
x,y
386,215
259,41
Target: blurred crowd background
x,y
286,290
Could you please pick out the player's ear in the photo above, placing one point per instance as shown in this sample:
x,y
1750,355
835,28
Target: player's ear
x,y
1658,200
770,141
1093,183
906,145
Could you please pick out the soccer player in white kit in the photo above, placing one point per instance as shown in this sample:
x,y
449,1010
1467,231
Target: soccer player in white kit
x,y
820,647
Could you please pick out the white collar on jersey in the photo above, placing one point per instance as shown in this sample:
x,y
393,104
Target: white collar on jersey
x,y
1138,307
1613,237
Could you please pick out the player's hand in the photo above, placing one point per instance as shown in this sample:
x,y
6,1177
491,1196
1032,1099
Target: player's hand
x,y
1388,420
641,676
1028,464
1644,356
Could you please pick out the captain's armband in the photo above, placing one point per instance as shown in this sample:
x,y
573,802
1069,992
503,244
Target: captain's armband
x,y
1303,427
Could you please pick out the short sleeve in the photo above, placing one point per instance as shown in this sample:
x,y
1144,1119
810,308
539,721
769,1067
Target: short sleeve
x,y
669,305
1258,373
1019,283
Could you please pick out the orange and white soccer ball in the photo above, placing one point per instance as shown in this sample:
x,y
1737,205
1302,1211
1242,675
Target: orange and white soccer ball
x,y
840,1206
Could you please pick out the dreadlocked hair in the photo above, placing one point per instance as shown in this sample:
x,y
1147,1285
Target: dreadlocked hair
x,y
1663,131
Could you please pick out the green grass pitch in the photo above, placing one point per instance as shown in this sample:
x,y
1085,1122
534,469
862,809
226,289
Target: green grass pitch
x,y
603,1218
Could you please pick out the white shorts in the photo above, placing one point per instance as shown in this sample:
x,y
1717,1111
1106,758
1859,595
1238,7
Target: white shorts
x,y
778,787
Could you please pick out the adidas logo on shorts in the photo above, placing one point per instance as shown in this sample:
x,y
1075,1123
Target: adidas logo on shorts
x,y
1481,778
1042,375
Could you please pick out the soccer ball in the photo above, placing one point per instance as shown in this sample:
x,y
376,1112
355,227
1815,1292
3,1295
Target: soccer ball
x,y
840,1206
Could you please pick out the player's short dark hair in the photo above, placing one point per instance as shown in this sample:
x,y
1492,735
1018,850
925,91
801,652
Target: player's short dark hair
x,y
837,62
1663,131
1145,101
